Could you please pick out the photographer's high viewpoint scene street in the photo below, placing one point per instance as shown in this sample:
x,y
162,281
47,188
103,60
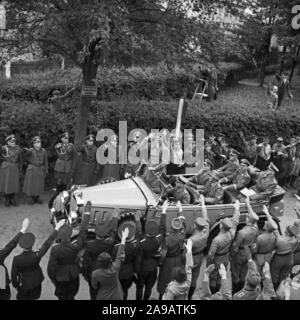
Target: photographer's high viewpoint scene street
x,y
149,151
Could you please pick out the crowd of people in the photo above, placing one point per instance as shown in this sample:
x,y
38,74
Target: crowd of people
x,y
264,264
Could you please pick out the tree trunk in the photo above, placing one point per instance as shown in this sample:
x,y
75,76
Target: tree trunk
x,y
89,72
262,72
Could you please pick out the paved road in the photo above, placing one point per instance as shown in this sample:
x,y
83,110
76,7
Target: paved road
x,y
11,219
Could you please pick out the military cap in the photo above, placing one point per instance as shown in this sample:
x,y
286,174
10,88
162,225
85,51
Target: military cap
x,y
253,136
280,139
176,224
208,162
227,223
104,259
234,152
102,229
131,227
27,241
10,137
65,232
246,162
151,228
65,134
220,135
200,222
90,137
35,139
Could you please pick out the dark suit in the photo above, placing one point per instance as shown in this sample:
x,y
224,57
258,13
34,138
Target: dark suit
x,y
63,269
26,273
4,253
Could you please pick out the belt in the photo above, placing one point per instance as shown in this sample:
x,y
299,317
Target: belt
x,y
283,254
244,247
37,165
198,252
173,256
221,254
263,252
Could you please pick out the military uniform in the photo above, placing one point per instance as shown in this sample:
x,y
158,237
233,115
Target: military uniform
x,y
4,253
171,256
36,171
199,239
10,170
180,194
147,260
278,155
263,157
226,171
104,242
250,151
251,289
214,193
63,269
218,150
64,165
130,264
282,260
219,250
88,165
241,253
26,273
263,249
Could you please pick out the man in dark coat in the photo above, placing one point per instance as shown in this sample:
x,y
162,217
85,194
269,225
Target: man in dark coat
x,y
4,253
104,242
65,163
171,255
128,271
87,167
10,170
148,255
63,269
26,273
37,169
283,87
250,148
106,278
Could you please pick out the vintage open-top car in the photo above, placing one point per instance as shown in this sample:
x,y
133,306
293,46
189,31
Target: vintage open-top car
x,y
145,192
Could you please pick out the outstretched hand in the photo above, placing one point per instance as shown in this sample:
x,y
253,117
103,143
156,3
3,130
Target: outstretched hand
x,y
25,225
209,269
189,245
165,206
59,224
125,234
179,206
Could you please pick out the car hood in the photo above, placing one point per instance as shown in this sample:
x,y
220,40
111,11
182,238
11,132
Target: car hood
x,y
129,193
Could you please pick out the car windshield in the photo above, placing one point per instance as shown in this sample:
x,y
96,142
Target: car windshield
x,y
155,180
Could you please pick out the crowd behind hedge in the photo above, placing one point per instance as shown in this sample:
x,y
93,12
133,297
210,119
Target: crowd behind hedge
x,y
149,101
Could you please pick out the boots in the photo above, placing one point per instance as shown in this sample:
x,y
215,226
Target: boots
x,y
7,202
191,292
235,287
12,200
31,201
38,200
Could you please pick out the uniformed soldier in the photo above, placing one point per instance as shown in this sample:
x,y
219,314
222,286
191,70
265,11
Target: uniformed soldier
x,y
200,180
239,179
63,269
10,170
241,249
104,242
219,249
279,153
199,239
129,268
220,157
87,171
230,168
251,148
288,163
36,171
214,193
251,289
65,163
208,153
171,255
26,273
148,255
265,242
179,193
4,253
296,253
266,184
282,260
264,154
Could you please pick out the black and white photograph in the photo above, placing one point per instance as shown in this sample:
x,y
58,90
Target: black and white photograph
x,y
149,151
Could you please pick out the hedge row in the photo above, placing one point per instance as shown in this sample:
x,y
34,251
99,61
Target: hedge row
x,y
157,83
239,109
